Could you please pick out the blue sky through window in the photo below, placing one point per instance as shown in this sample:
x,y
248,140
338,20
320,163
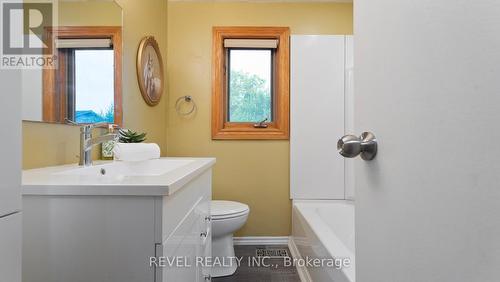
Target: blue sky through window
x,y
94,84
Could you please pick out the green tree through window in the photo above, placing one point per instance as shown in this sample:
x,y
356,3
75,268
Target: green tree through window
x,y
249,98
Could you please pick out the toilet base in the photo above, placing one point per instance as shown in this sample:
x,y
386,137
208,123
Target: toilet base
x,y
225,263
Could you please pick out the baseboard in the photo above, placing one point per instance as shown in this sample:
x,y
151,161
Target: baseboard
x,y
302,271
261,240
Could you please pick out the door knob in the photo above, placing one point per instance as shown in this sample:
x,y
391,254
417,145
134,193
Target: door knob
x,y
350,146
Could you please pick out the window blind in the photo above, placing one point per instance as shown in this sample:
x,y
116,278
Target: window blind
x,y
251,43
83,43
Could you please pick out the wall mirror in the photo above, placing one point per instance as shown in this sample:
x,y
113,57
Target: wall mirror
x,y
86,84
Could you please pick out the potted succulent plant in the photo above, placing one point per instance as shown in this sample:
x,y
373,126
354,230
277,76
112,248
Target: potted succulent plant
x,y
129,136
124,136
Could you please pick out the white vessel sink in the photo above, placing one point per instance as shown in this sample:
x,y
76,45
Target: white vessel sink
x,y
159,177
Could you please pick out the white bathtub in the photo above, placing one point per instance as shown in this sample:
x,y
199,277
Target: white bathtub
x,y
324,230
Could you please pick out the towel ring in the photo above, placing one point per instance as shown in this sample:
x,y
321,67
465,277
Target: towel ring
x,y
186,99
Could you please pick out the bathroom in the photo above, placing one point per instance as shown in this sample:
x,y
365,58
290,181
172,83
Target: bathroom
x,y
338,175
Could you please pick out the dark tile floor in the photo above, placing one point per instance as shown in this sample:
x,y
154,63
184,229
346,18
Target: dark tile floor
x,y
247,272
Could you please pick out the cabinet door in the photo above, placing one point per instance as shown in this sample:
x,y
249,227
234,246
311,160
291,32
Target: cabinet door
x,y
187,249
180,249
10,248
88,238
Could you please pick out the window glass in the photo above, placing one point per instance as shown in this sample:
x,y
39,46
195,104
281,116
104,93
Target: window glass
x,y
250,85
94,85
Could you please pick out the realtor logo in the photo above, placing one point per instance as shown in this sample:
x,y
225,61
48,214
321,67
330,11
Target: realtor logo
x,y
23,26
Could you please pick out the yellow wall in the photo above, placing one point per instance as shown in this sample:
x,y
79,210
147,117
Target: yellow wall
x,y
89,13
253,172
53,144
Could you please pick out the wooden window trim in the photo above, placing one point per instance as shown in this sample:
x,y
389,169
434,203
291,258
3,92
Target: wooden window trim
x,y
279,127
53,96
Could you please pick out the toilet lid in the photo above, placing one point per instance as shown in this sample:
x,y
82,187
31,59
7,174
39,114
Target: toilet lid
x,y
225,208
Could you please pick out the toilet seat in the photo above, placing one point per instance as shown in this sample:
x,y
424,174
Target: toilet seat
x,y
228,209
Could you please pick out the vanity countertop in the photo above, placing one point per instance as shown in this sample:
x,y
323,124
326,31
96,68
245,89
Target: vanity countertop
x,y
160,177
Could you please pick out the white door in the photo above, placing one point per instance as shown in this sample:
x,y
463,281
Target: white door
x,y
10,142
428,85
10,176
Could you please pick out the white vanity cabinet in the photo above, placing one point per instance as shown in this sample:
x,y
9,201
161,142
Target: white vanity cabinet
x,y
112,231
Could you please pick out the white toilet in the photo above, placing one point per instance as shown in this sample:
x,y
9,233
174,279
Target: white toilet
x,y
227,217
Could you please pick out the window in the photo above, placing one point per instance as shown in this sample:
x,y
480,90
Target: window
x,y
90,87
250,98
86,86
250,85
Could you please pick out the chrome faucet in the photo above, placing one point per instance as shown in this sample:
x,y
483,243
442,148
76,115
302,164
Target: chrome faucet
x,y
87,142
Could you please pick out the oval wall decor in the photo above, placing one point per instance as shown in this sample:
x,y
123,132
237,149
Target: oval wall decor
x,y
150,70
